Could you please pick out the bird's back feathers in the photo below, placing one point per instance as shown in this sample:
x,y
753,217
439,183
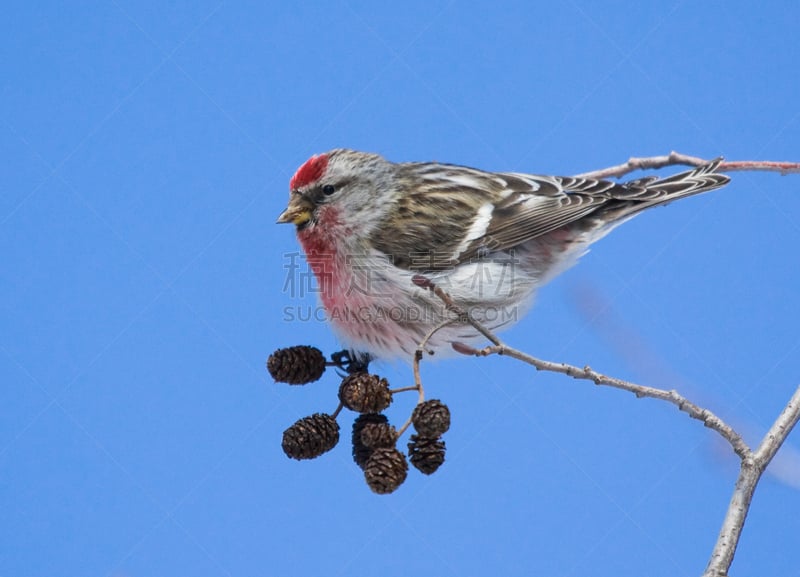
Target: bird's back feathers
x,y
511,209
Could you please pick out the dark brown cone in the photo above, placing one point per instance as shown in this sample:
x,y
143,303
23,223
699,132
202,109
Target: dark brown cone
x,y
426,453
385,470
376,435
365,393
431,418
296,365
310,437
361,452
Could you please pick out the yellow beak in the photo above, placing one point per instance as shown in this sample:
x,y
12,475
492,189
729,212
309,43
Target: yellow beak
x,y
298,212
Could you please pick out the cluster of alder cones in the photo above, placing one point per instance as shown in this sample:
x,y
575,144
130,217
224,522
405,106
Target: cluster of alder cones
x,y
374,439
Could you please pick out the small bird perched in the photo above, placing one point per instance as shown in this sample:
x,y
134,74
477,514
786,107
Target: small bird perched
x,y
370,228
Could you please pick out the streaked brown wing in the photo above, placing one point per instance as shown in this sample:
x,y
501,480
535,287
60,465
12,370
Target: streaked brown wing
x,y
426,235
536,205
504,210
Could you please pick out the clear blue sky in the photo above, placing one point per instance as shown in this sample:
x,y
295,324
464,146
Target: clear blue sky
x,y
146,152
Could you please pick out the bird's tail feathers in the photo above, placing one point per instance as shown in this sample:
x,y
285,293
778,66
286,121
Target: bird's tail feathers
x,y
651,191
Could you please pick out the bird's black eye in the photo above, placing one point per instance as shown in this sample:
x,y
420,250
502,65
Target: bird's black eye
x,y
328,189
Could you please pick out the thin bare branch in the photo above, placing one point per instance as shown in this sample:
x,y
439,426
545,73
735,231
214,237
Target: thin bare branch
x,y
676,158
404,389
418,354
417,387
753,464
463,317
780,429
708,418
498,347
749,475
784,168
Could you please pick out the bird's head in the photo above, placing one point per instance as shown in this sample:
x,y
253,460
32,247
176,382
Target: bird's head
x,y
337,189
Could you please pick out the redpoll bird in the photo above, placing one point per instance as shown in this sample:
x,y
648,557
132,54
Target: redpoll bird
x,y
370,228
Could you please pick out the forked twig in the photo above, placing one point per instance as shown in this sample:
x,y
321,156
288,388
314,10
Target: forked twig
x,y
750,472
753,463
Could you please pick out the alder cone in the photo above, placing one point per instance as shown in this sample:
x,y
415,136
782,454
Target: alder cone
x,y
360,451
310,437
385,470
431,418
296,365
377,435
365,393
426,453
